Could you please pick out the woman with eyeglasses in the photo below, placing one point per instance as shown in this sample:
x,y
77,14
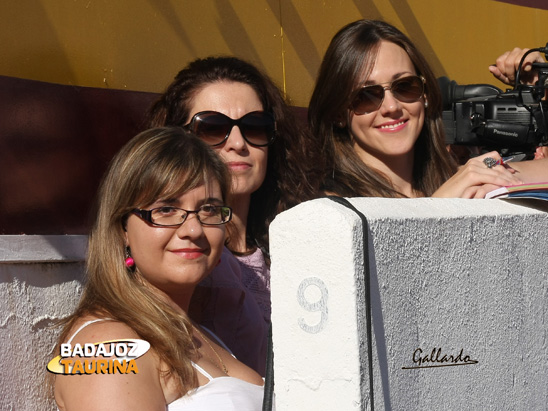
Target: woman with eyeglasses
x,y
241,114
376,114
160,230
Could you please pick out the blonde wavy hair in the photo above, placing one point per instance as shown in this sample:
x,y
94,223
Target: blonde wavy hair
x,y
156,164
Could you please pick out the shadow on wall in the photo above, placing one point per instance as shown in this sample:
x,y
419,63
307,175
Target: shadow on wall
x,y
56,142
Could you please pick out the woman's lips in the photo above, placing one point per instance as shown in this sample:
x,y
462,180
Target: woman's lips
x,y
238,165
392,126
189,253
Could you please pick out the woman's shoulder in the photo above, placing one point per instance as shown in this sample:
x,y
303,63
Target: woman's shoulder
x,y
256,258
99,384
93,329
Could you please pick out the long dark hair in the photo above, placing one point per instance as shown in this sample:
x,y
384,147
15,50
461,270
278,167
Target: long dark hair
x,y
351,53
289,178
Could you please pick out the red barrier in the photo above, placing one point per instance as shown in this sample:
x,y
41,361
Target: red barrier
x,y
55,144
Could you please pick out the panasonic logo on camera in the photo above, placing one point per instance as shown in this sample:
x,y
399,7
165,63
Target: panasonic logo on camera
x,y
505,133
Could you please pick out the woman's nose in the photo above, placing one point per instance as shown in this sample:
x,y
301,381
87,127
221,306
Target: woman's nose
x,y
235,140
390,102
191,227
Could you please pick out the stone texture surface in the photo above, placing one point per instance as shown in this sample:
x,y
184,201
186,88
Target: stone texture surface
x,y
448,277
40,283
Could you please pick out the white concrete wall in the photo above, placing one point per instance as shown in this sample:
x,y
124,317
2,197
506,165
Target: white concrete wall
x,y
40,282
446,274
449,274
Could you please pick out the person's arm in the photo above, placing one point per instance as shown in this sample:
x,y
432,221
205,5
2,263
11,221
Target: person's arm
x,y
507,64
97,392
532,171
475,179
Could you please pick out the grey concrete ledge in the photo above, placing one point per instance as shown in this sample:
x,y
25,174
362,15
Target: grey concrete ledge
x,y
42,248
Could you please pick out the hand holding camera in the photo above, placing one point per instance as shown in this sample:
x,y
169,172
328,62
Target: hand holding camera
x,y
508,64
514,122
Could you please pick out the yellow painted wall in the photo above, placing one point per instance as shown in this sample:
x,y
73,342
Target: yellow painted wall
x,y
141,44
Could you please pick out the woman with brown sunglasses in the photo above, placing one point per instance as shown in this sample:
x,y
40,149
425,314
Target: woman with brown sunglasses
x,y
376,114
241,114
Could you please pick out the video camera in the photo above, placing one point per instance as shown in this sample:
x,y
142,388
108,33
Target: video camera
x,y
513,122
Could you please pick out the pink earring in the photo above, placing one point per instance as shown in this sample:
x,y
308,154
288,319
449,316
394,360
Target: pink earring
x,y
130,263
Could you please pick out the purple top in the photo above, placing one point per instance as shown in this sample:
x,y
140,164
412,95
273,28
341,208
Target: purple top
x,y
234,302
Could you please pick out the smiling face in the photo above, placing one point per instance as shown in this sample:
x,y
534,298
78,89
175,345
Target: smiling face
x,y
246,163
175,259
389,133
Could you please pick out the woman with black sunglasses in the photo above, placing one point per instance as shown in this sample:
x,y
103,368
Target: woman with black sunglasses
x,y
242,115
375,113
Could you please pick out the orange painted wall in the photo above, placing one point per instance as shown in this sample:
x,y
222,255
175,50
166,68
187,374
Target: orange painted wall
x,y
141,44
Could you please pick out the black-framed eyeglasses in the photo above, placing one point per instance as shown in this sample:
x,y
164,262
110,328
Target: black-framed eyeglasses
x,y
369,98
258,128
168,216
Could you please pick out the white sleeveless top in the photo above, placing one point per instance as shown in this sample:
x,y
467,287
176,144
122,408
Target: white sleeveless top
x,y
219,394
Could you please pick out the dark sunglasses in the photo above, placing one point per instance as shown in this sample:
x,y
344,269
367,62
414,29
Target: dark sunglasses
x,y
258,128
369,98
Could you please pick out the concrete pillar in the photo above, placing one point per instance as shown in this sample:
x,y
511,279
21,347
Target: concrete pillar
x,y
40,283
459,293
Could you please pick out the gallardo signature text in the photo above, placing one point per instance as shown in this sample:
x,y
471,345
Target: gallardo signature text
x,y
437,359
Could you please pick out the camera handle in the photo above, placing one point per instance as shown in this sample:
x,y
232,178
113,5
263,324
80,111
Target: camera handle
x,y
540,50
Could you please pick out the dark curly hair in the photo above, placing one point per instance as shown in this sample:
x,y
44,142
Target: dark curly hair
x,y
289,178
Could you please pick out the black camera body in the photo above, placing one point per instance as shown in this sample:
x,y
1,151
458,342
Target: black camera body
x,y
512,122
